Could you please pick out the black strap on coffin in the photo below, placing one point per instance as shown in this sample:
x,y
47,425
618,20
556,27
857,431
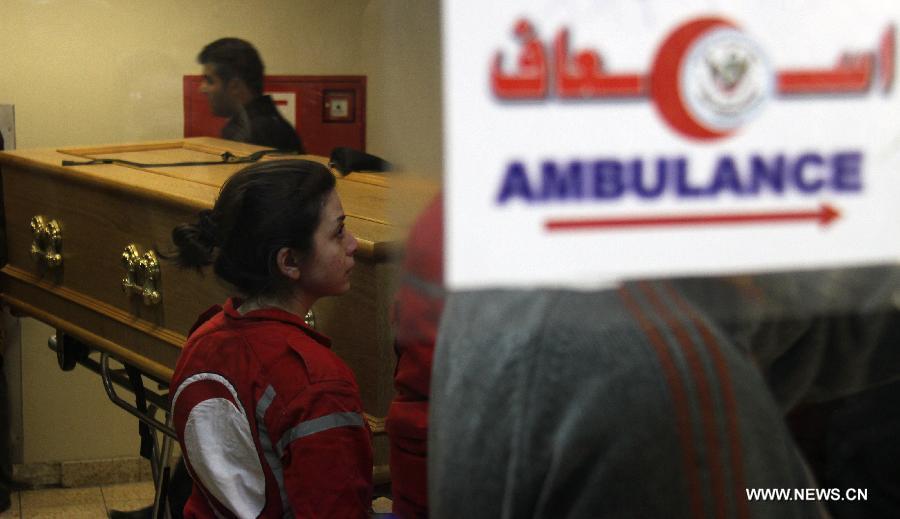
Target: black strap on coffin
x,y
226,158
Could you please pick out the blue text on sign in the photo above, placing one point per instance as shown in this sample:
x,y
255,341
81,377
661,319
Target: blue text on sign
x,y
611,179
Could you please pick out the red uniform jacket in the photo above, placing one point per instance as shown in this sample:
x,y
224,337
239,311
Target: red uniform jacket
x,y
417,312
269,419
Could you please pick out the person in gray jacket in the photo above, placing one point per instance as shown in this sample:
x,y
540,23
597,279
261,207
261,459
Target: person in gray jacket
x,y
654,399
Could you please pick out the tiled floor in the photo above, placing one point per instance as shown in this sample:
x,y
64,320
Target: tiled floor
x,y
95,502
79,503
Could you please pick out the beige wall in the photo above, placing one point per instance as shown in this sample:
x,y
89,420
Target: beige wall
x,y
103,71
100,71
66,414
402,56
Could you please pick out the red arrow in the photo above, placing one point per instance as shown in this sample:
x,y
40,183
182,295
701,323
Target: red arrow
x,y
825,215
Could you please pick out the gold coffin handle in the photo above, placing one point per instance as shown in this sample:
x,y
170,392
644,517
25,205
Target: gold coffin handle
x,y
142,274
46,245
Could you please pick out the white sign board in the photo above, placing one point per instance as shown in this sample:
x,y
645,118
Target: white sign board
x,y
587,142
286,103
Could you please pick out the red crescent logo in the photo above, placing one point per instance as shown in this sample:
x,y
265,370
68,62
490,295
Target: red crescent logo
x,y
665,87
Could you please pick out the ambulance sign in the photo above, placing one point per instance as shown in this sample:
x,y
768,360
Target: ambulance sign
x,y
590,142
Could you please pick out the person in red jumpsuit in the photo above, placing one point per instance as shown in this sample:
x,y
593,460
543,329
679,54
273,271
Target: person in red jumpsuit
x,y
269,419
417,312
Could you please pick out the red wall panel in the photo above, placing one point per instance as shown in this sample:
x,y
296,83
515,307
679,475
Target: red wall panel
x,y
328,111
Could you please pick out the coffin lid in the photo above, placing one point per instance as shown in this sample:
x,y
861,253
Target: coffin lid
x,y
373,202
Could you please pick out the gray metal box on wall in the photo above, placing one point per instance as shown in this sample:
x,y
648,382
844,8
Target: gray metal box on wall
x,y
7,142
10,349
8,126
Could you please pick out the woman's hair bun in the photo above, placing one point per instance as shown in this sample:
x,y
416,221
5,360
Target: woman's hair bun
x,y
196,242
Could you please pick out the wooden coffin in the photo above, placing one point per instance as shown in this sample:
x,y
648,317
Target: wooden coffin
x,y
100,210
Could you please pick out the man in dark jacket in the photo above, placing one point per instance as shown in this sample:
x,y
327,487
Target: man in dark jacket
x,y
233,84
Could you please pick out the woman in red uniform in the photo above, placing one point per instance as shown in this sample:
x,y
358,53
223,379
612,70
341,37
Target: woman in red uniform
x,y
269,419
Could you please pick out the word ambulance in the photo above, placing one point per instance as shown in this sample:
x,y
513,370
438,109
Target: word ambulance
x,y
609,179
